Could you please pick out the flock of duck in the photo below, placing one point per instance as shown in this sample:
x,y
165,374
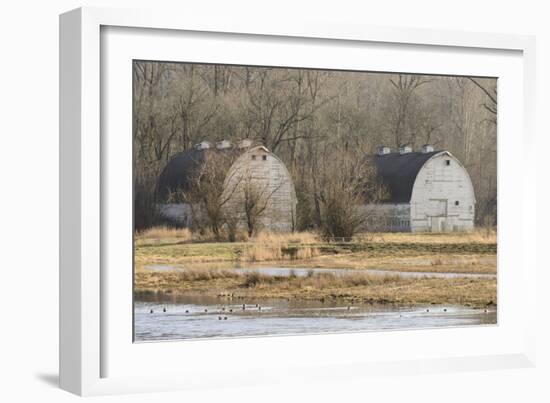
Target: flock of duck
x,y
223,309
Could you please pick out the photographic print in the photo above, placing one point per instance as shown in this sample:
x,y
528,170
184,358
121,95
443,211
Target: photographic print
x,y
281,201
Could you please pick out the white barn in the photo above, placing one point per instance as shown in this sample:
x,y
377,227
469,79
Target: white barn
x,y
427,191
272,187
252,166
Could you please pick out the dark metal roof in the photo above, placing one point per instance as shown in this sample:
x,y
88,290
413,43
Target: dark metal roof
x,y
177,174
398,173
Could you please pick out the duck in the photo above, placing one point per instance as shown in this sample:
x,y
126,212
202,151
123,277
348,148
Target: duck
x,y
231,310
444,309
206,310
163,309
151,311
219,318
187,311
427,310
225,318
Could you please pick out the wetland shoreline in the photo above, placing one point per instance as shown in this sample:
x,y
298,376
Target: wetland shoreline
x,y
207,268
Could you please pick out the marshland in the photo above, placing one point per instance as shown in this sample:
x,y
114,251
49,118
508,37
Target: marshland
x,y
285,200
189,265
377,281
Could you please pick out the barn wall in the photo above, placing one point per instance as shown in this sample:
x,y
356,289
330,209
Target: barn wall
x,y
388,217
176,213
272,179
437,189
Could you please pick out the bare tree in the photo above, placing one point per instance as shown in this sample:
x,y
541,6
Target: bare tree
x,y
299,115
404,86
346,187
491,93
256,199
277,103
208,193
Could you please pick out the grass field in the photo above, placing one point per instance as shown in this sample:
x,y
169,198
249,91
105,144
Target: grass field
x,y
207,262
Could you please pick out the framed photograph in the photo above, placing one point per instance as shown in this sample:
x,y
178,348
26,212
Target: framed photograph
x,y
241,202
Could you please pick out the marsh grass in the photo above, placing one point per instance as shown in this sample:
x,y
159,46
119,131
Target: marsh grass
x,y
257,279
351,286
164,233
266,237
478,236
270,246
453,252
461,261
206,274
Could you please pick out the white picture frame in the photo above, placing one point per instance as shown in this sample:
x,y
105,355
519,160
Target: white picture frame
x,y
96,356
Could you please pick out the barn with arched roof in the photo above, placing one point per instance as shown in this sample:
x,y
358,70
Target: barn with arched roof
x,y
426,191
252,172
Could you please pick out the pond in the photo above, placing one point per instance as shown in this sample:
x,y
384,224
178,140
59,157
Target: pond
x,y
169,317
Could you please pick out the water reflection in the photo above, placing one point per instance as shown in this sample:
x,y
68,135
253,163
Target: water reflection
x,y
302,272
189,317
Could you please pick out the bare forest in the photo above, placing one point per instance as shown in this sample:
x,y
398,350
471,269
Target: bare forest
x,y
321,124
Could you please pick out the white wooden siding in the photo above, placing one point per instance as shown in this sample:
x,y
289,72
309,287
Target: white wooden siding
x,y
442,197
442,200
271,176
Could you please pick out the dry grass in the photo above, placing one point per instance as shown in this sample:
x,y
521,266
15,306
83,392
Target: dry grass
x,y
350,287
170,235
207,275
477,264
453,252
464,261
272,246
479,236
158,233
266,237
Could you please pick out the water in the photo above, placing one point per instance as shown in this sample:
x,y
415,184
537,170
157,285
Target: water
x,y
185,317
190,317
302,272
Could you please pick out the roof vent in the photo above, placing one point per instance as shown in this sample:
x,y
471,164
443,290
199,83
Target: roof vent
x,y
203,145
405,149
246,143
383,150
224,144
427,148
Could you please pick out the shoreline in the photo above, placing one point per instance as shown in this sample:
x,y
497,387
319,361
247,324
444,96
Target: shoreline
x,y
204,268
365,288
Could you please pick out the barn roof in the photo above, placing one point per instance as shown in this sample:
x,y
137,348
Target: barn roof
x,y
179,171
398,172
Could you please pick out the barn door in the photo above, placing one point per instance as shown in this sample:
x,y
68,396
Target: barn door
x,y
438,224
438,211
438,207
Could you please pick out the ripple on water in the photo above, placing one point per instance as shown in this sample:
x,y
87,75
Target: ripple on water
x,y
185,318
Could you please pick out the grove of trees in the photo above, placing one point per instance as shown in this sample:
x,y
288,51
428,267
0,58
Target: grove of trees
x,y
321,123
